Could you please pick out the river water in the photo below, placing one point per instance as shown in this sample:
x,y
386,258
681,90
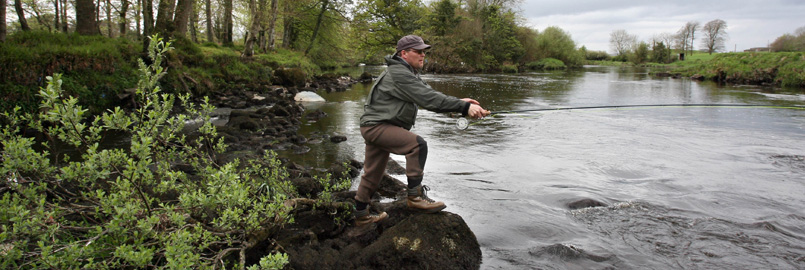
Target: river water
x,y
685,187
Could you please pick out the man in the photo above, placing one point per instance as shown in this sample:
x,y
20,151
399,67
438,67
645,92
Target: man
x,y
389,114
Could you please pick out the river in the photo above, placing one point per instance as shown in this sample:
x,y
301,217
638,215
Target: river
x,y
685,187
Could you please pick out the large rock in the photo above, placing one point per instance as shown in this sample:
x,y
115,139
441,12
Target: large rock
x,y
307,96
422,241
323,237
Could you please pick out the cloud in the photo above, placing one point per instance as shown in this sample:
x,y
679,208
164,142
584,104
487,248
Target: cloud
x,y
750,23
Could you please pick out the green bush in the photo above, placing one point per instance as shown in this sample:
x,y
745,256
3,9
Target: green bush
x,y
509,68
546,64
162,202
597,56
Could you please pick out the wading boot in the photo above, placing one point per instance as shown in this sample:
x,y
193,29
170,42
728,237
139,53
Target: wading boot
x,y
363,217
418,200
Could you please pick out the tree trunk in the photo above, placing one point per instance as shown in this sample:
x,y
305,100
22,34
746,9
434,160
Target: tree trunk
x,y
85,17
55,15
64,16
248,46
228,25
3,28
124,24
318,25
288,31
208,11
21,15
98,17
183,10
272,24
194,25
164,23
109,17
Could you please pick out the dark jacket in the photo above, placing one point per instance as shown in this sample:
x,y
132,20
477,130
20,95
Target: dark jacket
x,y
397,93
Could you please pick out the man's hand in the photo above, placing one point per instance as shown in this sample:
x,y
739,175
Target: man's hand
x,y
476,111
472,101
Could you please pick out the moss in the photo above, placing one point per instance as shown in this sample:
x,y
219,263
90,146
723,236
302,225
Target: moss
x,y
94,68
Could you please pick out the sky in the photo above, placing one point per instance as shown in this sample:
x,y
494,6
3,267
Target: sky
x,y
590,22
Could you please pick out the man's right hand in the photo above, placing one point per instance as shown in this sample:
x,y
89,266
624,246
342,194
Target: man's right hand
x,y
476,111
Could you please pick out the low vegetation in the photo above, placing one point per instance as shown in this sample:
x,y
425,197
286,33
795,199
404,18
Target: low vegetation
x,y
786,69
163,201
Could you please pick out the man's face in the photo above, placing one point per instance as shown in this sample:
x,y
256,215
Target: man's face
x,y
415,58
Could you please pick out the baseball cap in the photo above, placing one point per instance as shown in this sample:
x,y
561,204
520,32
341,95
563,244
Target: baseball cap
x,y
411,42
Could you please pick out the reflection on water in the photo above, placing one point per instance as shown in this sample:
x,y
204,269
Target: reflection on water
x,y
689,188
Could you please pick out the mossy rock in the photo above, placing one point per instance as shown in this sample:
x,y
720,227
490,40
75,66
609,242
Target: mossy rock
x,y
290,77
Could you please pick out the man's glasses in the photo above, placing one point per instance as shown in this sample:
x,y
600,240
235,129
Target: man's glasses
x,y
420,52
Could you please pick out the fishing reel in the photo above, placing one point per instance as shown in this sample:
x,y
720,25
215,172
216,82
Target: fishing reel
x,y
462,123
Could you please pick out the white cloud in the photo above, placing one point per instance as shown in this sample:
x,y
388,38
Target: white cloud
x,y
750,23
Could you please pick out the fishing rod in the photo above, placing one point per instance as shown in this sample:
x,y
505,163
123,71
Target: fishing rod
x,y
464,123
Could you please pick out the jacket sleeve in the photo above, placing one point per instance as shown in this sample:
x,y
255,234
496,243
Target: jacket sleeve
x,y
412,89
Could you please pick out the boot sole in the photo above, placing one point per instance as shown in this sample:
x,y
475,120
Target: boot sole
x,y
429,211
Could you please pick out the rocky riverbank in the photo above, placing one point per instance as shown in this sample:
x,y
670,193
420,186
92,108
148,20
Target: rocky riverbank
x,y
322,235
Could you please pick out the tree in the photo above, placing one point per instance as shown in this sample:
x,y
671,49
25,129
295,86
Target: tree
x,y
272,24
443,18
640,53
85,18
122,12
208,12
228,23
790,42
554,42
257,12
715,34
621,42
182,16
686,35
378,24
3,29
21,15
660,53
667,39
319,19
499,40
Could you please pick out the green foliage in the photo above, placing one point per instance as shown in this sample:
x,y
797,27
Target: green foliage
x,y
509,69
547,64
554,42
500,41
95,69
378,24
443,19
283,58
790,42
640,54
597,56
660,53
783,69
161,203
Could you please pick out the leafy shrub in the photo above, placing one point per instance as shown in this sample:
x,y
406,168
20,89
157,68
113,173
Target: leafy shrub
x,y
597,56
509,68
161,203
546,64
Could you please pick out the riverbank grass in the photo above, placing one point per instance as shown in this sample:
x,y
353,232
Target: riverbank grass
x,y
786,69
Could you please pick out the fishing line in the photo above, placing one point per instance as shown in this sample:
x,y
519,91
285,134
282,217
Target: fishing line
x,y
464,123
